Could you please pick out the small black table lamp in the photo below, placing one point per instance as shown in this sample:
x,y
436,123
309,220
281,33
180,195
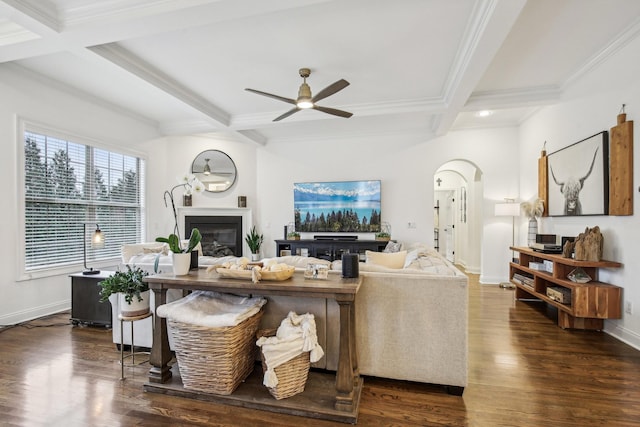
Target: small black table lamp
x,y
97,242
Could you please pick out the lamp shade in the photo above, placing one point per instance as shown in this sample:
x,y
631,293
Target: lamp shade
x,y
507,209
97,239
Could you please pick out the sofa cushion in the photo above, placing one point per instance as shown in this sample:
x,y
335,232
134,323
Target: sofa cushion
x,y
389,260
130,250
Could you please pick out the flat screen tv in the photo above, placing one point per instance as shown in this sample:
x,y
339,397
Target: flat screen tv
x,y
341,206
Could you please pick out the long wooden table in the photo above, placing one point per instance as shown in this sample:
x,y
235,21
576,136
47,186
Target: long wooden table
x,y
324,398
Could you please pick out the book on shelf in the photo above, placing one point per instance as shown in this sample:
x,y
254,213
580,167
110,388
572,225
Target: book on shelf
x,y
523,279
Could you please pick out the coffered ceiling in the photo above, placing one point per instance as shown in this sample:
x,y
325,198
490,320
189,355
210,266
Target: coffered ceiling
x,y
416,67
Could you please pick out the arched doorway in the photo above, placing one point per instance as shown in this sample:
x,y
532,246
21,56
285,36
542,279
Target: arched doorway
x,y
458,195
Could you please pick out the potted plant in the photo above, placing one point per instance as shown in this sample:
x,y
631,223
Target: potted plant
x,y
181,258
383,236
132,290
385,232
254,241
293,235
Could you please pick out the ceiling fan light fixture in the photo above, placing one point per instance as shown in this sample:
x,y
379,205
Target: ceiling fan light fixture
x,y
304,103
305,100
304,96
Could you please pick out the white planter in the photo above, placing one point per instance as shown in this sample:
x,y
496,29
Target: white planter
x,y
255,257
181,263
136,308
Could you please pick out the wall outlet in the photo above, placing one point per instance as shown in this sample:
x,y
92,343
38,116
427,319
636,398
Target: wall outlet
x,y
628,307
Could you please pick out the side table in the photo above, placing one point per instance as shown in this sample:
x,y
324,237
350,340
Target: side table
x,y
86,307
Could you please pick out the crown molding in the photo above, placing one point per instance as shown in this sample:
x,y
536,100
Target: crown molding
x,y
12,33
416,135
623,38
510,98
108,9
424,105
77,93
42,11
204,127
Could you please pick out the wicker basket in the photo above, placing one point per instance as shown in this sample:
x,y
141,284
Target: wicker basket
x,y
215,360
292,375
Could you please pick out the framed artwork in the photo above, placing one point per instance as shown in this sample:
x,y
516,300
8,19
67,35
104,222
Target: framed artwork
x,y
579,178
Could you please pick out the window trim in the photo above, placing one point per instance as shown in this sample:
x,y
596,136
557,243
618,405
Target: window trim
x,y
25,125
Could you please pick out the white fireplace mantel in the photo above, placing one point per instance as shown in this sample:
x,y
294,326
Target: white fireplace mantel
x,y
245,213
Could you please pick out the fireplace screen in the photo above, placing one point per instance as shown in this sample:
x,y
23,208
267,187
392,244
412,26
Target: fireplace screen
x,y
221,235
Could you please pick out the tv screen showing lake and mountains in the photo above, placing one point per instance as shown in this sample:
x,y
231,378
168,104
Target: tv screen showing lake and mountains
x,y
340,206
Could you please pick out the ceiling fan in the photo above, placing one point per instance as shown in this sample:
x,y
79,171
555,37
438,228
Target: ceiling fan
x,y
305,100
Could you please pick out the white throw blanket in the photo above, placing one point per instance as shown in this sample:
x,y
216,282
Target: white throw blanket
x,y
212,309
296,334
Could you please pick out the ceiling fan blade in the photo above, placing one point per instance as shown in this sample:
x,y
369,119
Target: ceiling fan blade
x,y
333,111
270,95
287,114
330,90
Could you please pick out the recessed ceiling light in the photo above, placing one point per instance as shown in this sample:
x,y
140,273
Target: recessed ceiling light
x,y
484,113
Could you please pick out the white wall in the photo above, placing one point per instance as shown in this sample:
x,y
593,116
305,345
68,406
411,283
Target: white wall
x,y
406,171
171,157
22,96
612,84
621,233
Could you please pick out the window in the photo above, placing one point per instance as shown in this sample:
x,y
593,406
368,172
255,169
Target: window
x,y
68,185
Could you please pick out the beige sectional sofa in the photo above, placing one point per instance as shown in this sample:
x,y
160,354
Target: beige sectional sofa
x,y
412,322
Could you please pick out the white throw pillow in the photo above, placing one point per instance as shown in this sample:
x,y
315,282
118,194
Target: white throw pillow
x,y
411,256
389,260
392,247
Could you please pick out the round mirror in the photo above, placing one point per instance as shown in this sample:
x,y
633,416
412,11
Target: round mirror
x,y
215,170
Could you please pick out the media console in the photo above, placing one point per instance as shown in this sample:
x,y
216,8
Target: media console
x,y
328,249
580,305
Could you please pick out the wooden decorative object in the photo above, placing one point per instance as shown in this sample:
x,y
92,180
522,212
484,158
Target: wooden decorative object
x,y
568,248
621,167
543,181
588,245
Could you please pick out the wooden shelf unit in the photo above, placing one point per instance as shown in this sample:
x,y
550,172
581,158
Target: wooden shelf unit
x,y
591,302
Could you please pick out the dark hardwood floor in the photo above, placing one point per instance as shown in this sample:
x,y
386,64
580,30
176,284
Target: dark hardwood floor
x,y
523,371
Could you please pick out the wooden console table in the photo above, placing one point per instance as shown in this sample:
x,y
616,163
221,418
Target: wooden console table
x,y
323,397
590,303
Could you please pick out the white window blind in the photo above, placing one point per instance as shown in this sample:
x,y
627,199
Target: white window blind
x,y
68,185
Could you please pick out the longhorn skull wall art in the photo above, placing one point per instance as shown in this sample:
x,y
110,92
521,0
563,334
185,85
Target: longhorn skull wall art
x,y
579,178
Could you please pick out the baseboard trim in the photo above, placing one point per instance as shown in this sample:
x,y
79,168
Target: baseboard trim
x,y
488,280
34,313
623,334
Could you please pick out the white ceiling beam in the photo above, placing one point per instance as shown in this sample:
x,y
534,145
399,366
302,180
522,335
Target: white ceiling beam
x,y
97,23
489,26
220,119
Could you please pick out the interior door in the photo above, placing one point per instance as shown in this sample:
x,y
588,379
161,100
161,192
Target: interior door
x,y
450,215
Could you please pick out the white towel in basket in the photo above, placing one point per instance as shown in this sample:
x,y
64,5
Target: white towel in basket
x,y
296,334
211,309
